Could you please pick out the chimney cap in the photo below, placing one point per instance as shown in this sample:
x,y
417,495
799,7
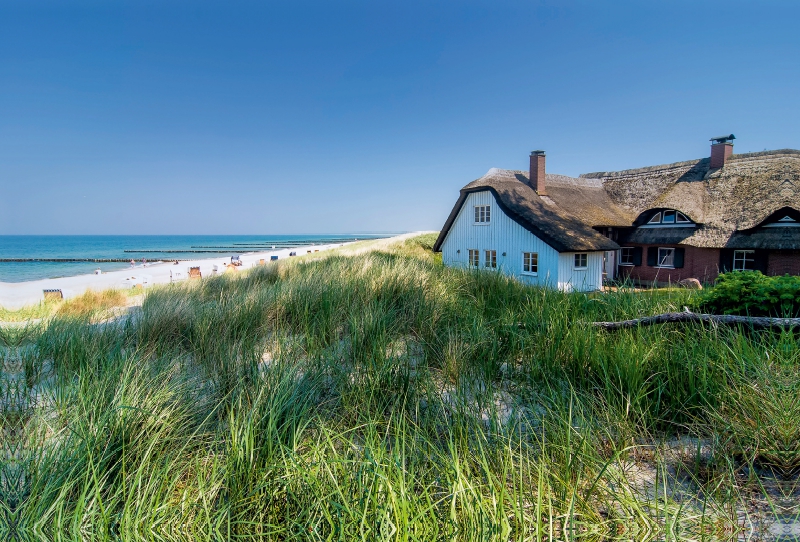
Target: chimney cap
x,y
723,139
537,153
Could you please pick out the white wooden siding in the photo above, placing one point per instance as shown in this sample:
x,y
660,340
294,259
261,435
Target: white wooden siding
x,y
506,236
582,280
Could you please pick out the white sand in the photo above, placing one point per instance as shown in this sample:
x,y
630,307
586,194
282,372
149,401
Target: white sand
x,y
14,295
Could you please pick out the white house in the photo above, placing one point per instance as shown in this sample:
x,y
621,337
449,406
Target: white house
x,y
505,222
653,225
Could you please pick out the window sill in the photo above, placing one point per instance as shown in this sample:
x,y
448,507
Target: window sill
x,y
481,223
627,265
663,267
580,268
529,274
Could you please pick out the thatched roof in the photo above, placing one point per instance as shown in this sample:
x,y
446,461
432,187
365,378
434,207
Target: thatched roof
x,y
538,215
728,204
739,196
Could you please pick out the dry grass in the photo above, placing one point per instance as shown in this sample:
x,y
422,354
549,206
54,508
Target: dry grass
x,y
92,303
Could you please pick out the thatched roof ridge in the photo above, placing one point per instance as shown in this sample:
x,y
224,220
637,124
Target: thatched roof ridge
x,y
539,215
686,164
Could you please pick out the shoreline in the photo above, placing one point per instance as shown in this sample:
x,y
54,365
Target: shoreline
x,y
16,295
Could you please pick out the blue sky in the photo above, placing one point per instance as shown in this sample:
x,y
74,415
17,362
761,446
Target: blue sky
x,y
328,117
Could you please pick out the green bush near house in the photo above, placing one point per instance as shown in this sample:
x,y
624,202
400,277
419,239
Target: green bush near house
x,y
754,294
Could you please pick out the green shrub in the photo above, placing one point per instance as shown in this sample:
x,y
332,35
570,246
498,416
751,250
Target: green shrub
x,y
752,293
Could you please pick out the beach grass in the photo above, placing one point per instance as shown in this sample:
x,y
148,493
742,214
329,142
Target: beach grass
x,y
383,396
90,303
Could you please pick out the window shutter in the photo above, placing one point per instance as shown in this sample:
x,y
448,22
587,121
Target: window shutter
x,y
760,261
678,261
637,256
725,260
652,256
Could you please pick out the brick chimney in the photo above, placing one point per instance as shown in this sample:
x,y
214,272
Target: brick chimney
x,y
721,149
537,172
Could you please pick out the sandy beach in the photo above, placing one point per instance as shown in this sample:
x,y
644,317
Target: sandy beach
x,y
14,295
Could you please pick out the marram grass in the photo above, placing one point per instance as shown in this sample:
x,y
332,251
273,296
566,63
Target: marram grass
x,y
385,397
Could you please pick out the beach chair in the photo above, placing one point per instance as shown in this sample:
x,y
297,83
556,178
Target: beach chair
x,y
175,276
262,261
194,273
51,294
236,260
273,258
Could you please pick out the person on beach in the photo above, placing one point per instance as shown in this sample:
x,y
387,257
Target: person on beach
x,y
144,262
133,263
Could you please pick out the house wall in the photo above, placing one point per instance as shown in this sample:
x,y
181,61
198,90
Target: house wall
x,y
699,263
704,265
582,280
506,236
501,234
782,262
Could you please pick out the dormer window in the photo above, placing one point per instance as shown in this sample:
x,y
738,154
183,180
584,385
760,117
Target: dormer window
x,y
786,221
668,217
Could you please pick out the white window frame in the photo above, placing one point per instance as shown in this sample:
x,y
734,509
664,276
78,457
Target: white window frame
x,y
483,215
582,256
678,219
622,256
741,257
474,256
531,260
668,260
490,259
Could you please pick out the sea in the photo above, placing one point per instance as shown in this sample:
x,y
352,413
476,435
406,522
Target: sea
x,y
53,256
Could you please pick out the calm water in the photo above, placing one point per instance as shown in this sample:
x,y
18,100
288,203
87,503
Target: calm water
x,y
114,247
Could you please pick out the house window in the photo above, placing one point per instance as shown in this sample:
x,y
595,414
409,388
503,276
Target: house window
x,y
474,256
785,221
581,261
530,262
666,257
482,214
744,260
626,256
491,259
668,217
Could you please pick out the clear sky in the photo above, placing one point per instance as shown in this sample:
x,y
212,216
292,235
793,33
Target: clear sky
x,y
328,117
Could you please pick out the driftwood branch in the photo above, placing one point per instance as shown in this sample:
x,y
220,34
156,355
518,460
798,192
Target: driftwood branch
x,y
730,320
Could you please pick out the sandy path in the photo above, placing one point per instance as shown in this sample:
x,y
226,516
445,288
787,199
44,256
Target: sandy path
x,y
14,295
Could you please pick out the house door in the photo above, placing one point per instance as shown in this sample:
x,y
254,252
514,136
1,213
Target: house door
x,y
609,265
